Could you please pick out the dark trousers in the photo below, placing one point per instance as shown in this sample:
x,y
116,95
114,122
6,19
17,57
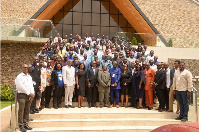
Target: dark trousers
x,y
48,95
24,108
114,92
75,95
92,95
57,94
161,97
33,103
184,103
42,98
166,99
133,96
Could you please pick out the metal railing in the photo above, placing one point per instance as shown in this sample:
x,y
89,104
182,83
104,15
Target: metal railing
x,y
196,97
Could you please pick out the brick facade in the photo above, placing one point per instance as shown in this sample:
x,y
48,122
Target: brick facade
x,y
13,55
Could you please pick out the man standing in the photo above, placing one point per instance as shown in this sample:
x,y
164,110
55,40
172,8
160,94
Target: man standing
x,y
115,74
159,84
149,79
182,85
68,73
167,85
25,94
171,93
92,74
104,86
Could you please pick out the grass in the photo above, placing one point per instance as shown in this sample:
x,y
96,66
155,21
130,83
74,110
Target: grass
x,y
6,103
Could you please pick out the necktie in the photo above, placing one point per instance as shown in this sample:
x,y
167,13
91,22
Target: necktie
x,y
105,72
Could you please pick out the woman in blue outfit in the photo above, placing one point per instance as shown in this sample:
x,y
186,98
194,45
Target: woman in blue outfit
x,y
139,84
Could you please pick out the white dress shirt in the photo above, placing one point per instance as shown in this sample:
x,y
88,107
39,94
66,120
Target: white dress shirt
x,y
68,75
24,84
168,78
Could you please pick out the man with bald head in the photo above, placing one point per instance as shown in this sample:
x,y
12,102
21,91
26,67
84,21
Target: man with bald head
x,y
25,94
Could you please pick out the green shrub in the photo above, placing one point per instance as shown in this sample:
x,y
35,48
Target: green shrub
x,y
170,43
14,32
134,41
7,93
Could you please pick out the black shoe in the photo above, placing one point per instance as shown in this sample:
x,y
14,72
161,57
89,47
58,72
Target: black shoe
x,y
55,107
22,129
47,106
106,105
32,112
134,106
89,106
184,119
150,108
101,106
71,106
27,127
179,118
66,106
130,105
36,111
30,119
59,106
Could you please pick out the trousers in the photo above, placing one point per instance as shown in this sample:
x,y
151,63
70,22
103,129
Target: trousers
x,y
149,98
184,103
114,92
171,99
69,95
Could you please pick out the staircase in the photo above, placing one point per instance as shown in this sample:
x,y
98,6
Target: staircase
x,y
100,119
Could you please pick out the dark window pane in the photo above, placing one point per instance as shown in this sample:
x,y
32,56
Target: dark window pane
x,y
59,29
105,19
77,18
95,19
67,30
113,20
113,31
77,30
86,18
96,6
78,6
86,29
105,31
68,18
87,6
95,30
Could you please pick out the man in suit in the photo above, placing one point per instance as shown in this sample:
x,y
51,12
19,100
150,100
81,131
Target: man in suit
x,y
92,74
86,62
125,61
104,86
171,94
159,84
149,79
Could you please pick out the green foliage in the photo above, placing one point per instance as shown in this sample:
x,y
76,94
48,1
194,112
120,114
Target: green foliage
x,y
14,32
7,92
170,43
134,41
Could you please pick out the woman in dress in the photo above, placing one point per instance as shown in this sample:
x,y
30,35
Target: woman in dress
x,y
80,81
125,83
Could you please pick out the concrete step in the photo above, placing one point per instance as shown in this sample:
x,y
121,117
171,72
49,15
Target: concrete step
x,y
100,113
101,122
97,128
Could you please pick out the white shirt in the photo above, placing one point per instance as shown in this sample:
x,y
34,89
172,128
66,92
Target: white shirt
x,y
154,67
24,84
149,58
168,78
80,57
146,52
68,75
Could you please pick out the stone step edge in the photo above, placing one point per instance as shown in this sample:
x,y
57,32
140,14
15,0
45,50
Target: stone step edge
x,y
98,128
93,120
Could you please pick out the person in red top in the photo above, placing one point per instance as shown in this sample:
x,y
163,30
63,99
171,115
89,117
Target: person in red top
x,y
149,79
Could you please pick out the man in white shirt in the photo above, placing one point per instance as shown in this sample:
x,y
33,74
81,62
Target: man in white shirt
x,y
25,94
150,57
69,83
167,86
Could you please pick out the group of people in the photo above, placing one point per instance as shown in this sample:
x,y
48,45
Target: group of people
x,y
102,70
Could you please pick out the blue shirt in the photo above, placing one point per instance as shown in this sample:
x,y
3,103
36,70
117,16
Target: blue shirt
x,y
60,79
108,63
70,58
115,77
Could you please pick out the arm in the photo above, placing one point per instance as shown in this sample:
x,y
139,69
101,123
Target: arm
x,y
64,75
109,80
189,80
171,77
20,86
52,79
174,81
31,86
130,77
119,75
168,80
153,75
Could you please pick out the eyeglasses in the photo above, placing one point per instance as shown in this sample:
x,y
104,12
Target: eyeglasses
x,y
25,67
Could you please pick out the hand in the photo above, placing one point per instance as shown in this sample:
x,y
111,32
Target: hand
x,y
31,98
53,88
174,92
97,84
168,89
32,95
125,84
188,94
115,84
139,86
40,87
105,86
77,86
65,85
89,85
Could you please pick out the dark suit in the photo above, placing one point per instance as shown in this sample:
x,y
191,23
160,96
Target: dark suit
x,y
160,79
172,71
57,93
93,80
121,66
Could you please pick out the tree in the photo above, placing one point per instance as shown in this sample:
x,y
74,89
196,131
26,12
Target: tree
x,y
170,43
134,41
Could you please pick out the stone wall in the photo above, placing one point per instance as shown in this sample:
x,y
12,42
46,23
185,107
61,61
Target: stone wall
x,y
190,64
13,55
175,19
